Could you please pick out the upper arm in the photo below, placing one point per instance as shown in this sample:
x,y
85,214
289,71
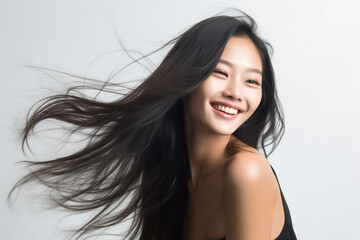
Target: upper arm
x,y
248,198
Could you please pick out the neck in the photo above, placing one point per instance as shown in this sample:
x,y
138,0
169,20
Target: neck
x,y
206,151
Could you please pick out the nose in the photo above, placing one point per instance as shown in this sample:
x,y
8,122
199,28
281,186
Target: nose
x,y
233,91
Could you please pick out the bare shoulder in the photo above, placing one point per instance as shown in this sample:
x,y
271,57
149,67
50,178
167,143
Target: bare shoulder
x,y
250,189
248,166
248,169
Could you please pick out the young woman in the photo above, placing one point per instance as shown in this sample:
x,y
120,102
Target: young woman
x,y
183,145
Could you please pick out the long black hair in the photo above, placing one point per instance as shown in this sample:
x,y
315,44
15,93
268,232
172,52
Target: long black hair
x,y
137,144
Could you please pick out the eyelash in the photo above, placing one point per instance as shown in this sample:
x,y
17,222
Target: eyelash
x,y
221,72
225,74
253,82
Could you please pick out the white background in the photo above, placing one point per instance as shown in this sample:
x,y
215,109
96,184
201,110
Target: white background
x,y
316,61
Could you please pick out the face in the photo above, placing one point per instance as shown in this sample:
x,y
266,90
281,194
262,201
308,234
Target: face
x,y
231,94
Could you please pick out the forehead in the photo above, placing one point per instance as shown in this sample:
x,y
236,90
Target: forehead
x,y
242,52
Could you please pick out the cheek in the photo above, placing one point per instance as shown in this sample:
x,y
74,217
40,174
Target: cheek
x,y
201,95
259,99
255,100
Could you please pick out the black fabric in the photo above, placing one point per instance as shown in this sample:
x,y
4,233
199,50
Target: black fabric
x,y
287,232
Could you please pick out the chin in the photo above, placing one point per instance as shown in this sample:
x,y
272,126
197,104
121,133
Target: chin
x,y
225,131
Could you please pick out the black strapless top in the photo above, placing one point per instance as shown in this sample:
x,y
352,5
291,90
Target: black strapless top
x,y
287,232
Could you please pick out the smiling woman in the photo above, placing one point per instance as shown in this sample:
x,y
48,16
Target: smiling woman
x,y
183,144
231,92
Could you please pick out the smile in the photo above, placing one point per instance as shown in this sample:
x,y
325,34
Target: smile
x,y
226,109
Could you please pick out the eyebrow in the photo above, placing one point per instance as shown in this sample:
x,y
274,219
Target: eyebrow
x,y
247,69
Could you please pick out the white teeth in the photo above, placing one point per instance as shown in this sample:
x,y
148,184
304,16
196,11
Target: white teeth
x,y
226,109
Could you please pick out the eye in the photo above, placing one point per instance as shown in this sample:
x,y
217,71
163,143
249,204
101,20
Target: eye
x,y
220,72
253,82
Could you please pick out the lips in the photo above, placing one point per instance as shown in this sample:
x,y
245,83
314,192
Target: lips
x,y
226,108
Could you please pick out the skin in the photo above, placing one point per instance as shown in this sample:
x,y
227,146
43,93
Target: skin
x,y
232,190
